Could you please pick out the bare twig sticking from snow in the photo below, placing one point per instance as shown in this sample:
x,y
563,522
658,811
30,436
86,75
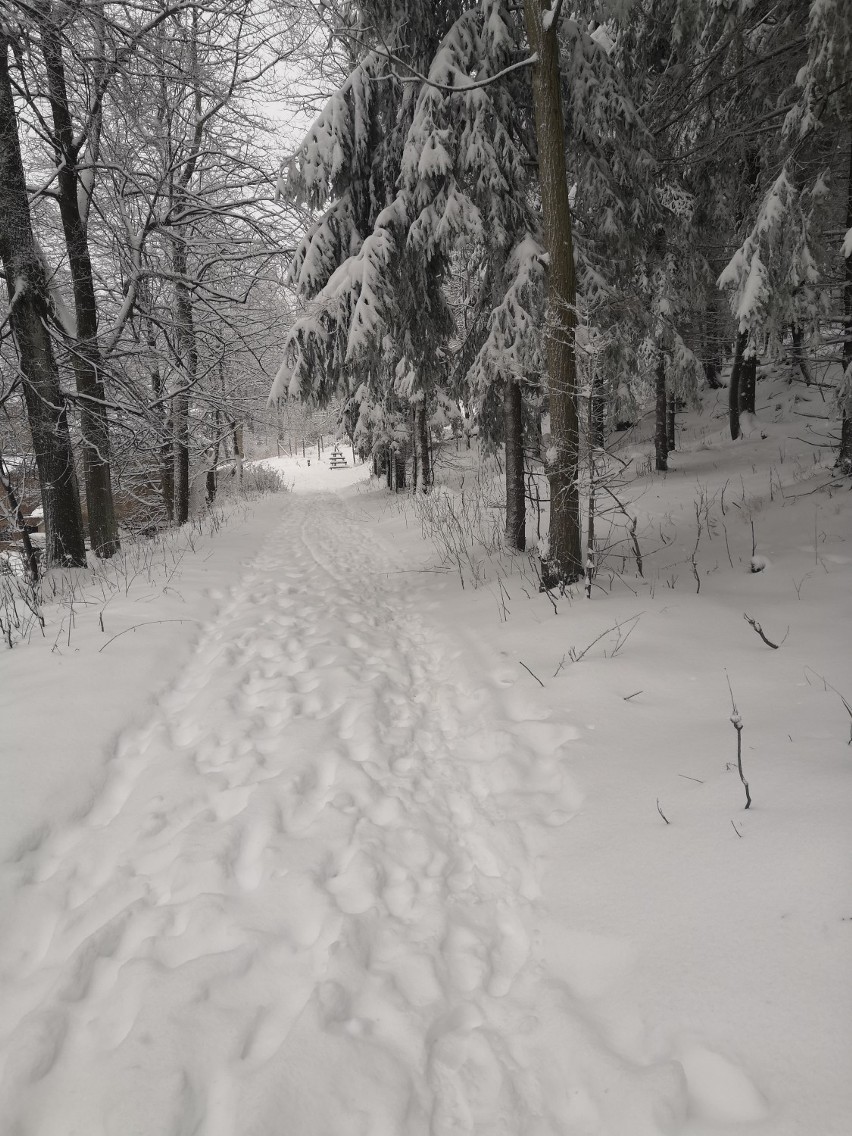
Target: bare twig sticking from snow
x,y
737,723
754,624
149,623
827,685
535,676
574,655
662,814
701,502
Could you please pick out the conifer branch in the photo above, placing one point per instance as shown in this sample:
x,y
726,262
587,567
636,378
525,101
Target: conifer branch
x,y
417,77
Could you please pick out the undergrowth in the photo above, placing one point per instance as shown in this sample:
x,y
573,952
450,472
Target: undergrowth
x,y
152,559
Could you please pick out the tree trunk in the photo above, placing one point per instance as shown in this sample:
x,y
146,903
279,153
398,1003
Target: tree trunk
x,y
661,435
165,471
565,561
180,455
187,347
671,424
799,354
748,381
734,385
712,341
596,440
212,472
238,452
188,355
844,454
515,496
94,424
29,317
422,443
414,449
167,463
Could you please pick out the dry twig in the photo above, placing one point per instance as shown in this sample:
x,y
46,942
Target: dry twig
x,y
756,626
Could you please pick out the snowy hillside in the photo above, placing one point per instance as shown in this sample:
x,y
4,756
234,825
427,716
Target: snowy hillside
x,y
352,849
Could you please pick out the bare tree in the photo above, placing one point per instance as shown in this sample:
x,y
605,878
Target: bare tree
x,y
75,154
30,316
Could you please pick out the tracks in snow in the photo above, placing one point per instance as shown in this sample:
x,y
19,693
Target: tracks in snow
x,y
304,900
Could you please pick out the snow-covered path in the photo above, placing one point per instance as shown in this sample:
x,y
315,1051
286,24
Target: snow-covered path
x,y
306,899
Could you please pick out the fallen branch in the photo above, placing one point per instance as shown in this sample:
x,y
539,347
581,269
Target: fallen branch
x,y
662,814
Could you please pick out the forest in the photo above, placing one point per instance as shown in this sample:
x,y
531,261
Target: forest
x,y
517,214
425,519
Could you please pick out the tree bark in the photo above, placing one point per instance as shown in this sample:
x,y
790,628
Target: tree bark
x,y
188,355
712,341
88,368
748,382
799,354
180,454
239,454
167,464
166,476
596,441
565,561
414,449
844,454
661,436
187,347
515,494
213,469
29,317
734,385
671,424
422,443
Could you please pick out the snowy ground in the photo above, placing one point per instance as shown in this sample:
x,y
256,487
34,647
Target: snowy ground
x,y
350,868
312,474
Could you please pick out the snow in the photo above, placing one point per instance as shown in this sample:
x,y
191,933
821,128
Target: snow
x,y
549,15
603,39
311,473
331,853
